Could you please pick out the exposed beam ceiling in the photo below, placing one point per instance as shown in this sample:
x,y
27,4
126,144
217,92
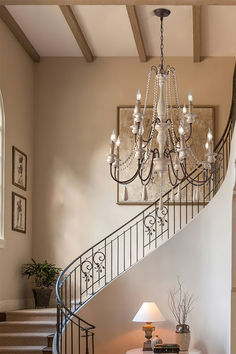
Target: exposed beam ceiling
x,y
18,33
77,32
196,34
136,32
119,2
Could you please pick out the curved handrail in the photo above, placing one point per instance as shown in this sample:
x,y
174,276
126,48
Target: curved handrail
x,y
69,314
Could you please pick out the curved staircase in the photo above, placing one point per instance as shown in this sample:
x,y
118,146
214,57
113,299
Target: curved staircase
x,y
93,270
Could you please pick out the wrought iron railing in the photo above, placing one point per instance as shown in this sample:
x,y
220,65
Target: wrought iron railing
x,y
123,248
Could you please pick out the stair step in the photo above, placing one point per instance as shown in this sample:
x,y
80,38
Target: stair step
x,y
24,339
32,315
28,326
47,350
22,349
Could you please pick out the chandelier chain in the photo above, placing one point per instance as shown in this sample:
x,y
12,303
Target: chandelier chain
x,y
162,46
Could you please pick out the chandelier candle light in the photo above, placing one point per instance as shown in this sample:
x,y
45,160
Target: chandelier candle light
x,y
162,152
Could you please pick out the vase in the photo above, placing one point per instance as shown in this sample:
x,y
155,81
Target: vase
x,y
42,297
183,336
156,341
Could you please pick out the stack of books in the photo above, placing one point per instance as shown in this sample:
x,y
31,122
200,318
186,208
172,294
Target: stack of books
x,y
166,348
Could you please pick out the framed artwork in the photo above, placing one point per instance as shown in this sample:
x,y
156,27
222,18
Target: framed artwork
x,y
18,213
19,168
204,121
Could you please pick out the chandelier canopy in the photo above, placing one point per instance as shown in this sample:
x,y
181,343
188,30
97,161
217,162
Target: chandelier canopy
x,y
162,152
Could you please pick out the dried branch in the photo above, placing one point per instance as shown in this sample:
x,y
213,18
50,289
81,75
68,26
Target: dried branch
x,y
180,303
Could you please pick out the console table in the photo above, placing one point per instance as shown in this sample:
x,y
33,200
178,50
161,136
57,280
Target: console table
x,y
140,351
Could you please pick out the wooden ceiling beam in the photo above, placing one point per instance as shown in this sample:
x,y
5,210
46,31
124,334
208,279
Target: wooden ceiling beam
x,y
120,2
196,33
77,32
18,33
136,32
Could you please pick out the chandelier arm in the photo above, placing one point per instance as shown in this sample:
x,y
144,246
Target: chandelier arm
x,y
143,180
145,183
196,184
193,181
187,177
170,179
190,132
173,170
128,180
150,133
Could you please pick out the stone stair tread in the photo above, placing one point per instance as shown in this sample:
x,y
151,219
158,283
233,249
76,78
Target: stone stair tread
x,y
32,315
46,311
25,334
28,326
22,349
40,323
25,339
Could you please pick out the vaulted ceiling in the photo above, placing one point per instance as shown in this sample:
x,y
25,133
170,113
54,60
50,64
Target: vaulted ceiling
x,y
119,30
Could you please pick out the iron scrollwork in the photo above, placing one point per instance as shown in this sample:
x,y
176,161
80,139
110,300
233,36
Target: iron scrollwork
x,y
149,224
161,215
86,270
159,218
98,260
95,264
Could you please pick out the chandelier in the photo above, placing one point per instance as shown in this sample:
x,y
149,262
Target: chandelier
x,y
162,151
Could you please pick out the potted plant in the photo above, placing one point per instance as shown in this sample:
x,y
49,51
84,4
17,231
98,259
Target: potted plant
x,y
44,277
181,304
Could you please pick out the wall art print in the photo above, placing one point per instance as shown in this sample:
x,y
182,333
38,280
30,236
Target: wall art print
x,y
19,168
18,213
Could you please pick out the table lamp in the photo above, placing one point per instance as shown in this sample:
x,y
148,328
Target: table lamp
x,y
148,312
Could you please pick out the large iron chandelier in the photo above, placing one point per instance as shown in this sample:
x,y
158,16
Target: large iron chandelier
x,y
162,151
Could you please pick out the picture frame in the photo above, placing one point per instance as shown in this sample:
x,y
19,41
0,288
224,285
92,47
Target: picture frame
x,y
19,168
19,209
205,120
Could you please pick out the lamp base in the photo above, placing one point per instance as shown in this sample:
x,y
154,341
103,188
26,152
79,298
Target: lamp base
x,y
147,346
148,329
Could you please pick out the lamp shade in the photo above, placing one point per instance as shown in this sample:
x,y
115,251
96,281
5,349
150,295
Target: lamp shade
x,y
148,312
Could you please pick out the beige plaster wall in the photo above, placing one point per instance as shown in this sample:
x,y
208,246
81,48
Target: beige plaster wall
x,y
17,86
75,112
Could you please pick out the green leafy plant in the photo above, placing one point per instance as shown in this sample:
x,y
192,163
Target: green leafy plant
x,y
44,274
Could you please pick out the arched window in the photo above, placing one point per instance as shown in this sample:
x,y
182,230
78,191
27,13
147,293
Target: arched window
x,y
2,166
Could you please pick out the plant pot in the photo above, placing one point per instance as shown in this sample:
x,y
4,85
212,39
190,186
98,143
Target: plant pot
x,y
42,297
183,337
